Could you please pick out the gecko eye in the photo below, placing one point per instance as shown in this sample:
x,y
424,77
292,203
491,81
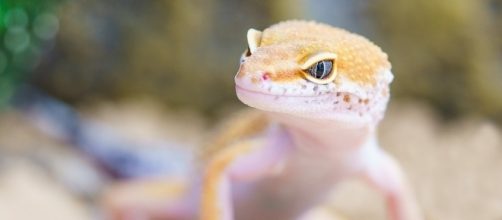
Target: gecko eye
x,y
322,69
321,72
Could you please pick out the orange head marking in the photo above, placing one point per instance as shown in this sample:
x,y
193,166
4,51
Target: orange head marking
x,y
281,49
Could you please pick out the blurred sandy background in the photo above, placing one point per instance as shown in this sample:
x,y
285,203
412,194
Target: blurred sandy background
x,y
161,71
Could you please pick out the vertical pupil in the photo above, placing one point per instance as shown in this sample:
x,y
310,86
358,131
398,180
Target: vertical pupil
x,y
319,73
321,69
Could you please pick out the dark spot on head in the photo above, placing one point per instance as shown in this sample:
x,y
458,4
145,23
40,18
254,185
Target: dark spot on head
x,y
338,94
304,86
346,98
315,88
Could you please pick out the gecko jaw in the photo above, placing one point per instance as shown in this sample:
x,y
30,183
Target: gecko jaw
x,y
243,89
330,105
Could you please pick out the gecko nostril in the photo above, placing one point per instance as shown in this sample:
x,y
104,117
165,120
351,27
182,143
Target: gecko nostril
x,y
265,76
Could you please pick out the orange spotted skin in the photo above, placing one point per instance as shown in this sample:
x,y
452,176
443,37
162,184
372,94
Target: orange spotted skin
x,y
359,60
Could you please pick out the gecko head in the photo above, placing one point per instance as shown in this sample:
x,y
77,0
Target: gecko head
x,y
313,70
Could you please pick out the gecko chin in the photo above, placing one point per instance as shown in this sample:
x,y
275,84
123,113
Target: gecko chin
x,y
327,105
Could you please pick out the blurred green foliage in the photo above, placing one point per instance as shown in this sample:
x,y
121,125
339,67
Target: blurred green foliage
x,y
447,52
25,27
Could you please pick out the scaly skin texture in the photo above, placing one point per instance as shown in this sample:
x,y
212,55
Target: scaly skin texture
x,y
307,134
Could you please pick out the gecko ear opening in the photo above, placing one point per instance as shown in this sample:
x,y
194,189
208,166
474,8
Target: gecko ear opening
x,y
254,39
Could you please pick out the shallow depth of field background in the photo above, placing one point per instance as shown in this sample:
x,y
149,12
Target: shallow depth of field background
x,y
163,70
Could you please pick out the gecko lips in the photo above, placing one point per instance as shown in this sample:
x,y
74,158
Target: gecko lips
x,y
304,99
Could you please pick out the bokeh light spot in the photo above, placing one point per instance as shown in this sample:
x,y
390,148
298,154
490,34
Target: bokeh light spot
x,y
16,18
16,39
46,26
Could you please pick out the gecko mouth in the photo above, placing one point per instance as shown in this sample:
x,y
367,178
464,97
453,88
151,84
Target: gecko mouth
x,y
239,88
338,101
327,105
344,96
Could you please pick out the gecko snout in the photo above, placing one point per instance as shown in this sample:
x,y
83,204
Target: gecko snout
x,y
254,81
254,77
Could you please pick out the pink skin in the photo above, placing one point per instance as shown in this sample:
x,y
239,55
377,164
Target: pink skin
x,y
254,166
310,168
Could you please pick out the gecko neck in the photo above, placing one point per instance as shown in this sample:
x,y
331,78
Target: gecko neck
x,y
324,136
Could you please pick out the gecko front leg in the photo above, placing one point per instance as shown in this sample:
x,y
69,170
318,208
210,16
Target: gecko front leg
x,y
243,161
383,172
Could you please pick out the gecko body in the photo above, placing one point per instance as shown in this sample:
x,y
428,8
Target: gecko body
x,y
323,91
320,93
